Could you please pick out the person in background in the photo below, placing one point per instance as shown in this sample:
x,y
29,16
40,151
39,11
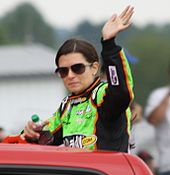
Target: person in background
x,y
136,116
149,160
2,134
95,114
157,112
136,110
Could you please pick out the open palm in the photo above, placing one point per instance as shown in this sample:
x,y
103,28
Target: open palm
x,y
117,23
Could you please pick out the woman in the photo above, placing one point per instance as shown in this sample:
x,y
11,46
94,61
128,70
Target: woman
x,y
95,115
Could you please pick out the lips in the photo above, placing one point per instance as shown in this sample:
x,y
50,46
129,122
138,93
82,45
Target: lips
x,y
73,84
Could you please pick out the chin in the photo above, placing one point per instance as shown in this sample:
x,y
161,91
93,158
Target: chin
x,y
74,90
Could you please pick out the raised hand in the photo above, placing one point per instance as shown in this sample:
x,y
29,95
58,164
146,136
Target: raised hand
x,y
117,23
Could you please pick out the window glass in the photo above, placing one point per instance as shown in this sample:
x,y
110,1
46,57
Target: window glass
x,y
45,170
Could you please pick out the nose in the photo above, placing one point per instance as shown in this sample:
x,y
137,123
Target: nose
x,y
71,74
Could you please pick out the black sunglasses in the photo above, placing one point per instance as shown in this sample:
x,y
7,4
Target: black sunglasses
x,y
76,68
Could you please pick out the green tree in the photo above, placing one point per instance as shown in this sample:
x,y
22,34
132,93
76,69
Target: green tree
x,y
89,32
3,36
25,24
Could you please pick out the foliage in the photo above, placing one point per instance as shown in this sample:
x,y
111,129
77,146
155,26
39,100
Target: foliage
x,y
3,36
25,24
89,32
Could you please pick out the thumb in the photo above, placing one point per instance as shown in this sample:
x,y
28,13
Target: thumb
x,y
45,122
22,136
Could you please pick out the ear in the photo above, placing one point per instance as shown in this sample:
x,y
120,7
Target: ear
x,y
95,67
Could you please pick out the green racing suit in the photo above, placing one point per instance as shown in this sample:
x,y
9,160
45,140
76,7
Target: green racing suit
x,y
99,117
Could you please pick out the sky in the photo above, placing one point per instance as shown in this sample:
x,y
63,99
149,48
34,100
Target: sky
x,y
69,13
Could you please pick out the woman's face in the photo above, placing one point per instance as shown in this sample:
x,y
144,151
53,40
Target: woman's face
x,y
74,82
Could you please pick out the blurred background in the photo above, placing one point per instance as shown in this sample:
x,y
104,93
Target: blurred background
x,y
31,32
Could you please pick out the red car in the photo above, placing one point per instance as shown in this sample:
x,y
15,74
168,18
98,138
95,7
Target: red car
x,y
29,159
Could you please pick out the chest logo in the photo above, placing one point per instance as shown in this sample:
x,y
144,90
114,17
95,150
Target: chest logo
x,y
89,140
78,100
80,141
80,112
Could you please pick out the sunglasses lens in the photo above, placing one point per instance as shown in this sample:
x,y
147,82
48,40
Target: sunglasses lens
x,y
78,68
63,71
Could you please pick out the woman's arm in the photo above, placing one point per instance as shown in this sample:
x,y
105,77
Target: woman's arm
x,y
119,93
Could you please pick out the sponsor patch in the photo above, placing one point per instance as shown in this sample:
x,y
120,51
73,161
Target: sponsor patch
x,y
80,120
88,109
89,140
113,76
78,100
79,141
79,112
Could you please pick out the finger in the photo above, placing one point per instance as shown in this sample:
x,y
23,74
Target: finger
x,y
29,133
22,136
127,25
29,130
128,14
113,17
45,122
124,11
126,20
31,125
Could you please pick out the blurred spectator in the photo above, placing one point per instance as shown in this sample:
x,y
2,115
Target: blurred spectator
x,y
2,134
136,110
136,116
157,113
149,160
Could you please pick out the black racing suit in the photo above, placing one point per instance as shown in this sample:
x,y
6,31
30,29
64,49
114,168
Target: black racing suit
x,y
99,117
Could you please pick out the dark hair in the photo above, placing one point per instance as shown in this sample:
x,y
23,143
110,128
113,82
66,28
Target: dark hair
x,y
78,46
1,129
145,156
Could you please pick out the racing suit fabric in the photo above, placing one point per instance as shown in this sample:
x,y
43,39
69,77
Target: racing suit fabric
x,y
99,117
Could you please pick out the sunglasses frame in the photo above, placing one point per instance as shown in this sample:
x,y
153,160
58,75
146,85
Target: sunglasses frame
x,y
78,68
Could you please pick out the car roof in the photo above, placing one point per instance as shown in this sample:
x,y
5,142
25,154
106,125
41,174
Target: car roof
x,y
40,155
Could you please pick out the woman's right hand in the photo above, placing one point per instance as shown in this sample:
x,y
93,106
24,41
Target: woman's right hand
x,y
30,130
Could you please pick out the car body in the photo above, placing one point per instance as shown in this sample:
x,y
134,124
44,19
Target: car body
x,y
31,159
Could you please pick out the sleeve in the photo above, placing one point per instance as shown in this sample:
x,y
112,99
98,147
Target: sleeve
x,y
154,100
55,128
119,92
54,122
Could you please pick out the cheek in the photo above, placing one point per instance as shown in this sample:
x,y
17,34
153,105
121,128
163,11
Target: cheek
x,y
87,78
64,82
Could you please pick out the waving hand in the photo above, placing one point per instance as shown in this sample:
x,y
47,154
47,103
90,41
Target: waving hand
x,y
117,23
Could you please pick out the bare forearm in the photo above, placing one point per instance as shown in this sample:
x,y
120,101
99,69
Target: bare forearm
x,y
158,115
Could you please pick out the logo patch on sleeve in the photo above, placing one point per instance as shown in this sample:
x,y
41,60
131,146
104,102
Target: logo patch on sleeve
x,y
113,76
